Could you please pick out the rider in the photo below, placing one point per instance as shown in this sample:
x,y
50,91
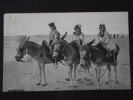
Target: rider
x,y
53,36
79,37
104,39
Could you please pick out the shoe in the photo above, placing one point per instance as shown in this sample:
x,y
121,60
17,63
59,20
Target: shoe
x,y
55,66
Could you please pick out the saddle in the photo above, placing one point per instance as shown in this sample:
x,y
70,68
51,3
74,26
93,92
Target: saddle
x,y
112,52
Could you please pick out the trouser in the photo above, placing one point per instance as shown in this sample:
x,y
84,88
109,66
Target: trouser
x,y
50,46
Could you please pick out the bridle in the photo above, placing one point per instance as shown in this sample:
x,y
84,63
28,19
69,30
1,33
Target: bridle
x,y
30,60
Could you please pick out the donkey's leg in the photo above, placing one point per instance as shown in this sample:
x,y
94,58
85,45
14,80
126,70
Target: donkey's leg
x,y
44,78
109,74
87,71
74,65
115,70
98,77
39,81
70,73
68,77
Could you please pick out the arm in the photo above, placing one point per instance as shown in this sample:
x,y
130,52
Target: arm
x,y
106,37
99,38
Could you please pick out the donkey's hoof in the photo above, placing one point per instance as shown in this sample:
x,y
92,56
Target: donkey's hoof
x,y
75,85
38,83
85,78
67,79
117,82
106,82
88,79
44,84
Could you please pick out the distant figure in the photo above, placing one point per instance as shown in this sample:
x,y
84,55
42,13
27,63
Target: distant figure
x,y
114,36
117,35
122,36
104,39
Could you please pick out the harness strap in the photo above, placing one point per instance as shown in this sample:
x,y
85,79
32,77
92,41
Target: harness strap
x,y
100,76
32,59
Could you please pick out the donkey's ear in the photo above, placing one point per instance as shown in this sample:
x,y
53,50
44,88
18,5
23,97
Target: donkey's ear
x,y
27,38
23,40
90,43
62,38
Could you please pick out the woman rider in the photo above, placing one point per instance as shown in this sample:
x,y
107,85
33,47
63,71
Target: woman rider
x,y
104,39
79,37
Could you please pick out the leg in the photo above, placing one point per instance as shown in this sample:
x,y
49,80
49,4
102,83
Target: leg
x,y
98,78
44,78
55,64
86,72
70,73
115,70
107,49
109,73
39,81
75,65
68,77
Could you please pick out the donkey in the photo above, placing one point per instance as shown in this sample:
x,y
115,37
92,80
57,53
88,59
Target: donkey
x,y
39,53
96,55
71,55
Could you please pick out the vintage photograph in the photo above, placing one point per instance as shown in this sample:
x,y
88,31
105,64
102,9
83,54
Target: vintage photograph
x,y
66,51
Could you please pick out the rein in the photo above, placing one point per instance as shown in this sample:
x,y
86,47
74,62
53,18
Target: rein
x,y
100,76
92,74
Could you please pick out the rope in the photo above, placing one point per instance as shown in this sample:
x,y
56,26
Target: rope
x,y
100,76
105,70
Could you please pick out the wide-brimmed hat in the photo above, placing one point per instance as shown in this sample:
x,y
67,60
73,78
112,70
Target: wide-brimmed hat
x,y
78,26
52,24
102,25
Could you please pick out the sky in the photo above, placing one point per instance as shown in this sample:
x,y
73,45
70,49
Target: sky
x,y
37,23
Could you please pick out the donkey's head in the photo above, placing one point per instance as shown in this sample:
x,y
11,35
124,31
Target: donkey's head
x,y
85,57
21,49
57,48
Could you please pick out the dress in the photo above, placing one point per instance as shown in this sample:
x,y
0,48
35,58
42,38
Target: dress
x,y
106,39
